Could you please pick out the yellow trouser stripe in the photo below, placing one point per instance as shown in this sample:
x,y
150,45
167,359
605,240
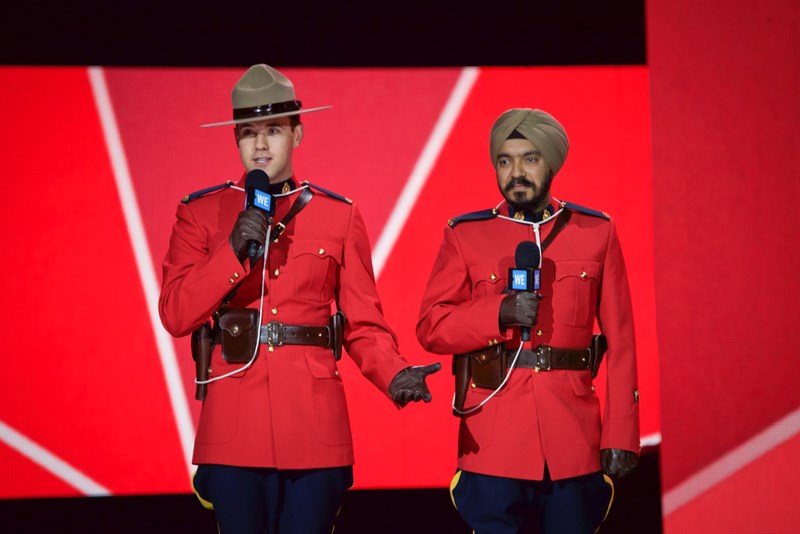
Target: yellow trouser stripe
x,y
610,501
208,505
453,484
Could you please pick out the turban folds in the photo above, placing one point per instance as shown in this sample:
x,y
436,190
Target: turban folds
x,y
538,127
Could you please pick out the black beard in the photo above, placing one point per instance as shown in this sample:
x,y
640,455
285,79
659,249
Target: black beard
x,y
516,200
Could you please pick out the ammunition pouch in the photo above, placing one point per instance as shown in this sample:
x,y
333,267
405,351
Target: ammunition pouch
x,y
238,328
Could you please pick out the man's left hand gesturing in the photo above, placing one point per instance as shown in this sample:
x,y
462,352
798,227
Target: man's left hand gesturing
x,y
409,384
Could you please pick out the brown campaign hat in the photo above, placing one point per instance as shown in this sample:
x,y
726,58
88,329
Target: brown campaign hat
x,y
263,93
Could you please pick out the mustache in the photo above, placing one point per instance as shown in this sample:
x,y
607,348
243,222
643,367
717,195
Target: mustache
x,y
518,181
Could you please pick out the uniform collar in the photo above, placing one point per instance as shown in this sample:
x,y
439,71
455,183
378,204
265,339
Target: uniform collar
x,y
287,186
535,217
284,187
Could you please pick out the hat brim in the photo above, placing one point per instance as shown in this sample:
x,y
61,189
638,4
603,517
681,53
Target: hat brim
x,y
264,117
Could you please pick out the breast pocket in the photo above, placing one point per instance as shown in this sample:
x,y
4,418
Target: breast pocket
x,y
575,292
315,265
486,279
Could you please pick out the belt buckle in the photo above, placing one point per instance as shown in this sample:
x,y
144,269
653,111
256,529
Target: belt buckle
x,y
274,334
543,358
277,231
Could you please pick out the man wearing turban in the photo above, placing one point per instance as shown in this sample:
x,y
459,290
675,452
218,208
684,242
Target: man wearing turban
x,y
514,294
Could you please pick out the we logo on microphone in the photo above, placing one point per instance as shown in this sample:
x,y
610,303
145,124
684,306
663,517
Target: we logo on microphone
x,y
523,279
263,200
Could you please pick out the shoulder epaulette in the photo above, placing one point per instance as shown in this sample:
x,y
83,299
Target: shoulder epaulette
x,y
473,216
585,210
327,192
197,194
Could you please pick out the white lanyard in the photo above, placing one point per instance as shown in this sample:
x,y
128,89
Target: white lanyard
x,y
535,226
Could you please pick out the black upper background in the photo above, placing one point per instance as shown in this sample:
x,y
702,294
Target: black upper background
x,y
303,33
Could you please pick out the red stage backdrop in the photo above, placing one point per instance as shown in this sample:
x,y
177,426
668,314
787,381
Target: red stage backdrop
x,y
726,116
98,399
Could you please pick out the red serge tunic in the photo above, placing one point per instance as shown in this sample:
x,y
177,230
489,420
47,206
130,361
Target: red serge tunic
x,y
539,417
288,410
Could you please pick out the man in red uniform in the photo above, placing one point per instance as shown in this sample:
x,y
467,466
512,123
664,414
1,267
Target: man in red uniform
x,y
273,444
532,457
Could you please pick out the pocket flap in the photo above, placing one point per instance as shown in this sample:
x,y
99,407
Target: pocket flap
x,y
582,269
319,248
487,356
237,321
321,364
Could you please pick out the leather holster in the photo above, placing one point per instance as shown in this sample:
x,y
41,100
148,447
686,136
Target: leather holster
x,y
337,334
486,368
201,354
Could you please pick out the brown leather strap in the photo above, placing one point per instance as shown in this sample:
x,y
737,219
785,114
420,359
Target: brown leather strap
x,y
560,224
546,358
276,334
297,205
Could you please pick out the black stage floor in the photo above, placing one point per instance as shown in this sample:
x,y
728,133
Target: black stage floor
x,y
637,508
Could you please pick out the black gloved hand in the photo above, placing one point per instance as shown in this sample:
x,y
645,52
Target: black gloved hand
x,y
409,384
618,462
251,225
519,308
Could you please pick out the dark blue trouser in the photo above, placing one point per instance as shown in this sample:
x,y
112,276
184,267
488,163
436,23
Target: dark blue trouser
x,y
497,505
253,500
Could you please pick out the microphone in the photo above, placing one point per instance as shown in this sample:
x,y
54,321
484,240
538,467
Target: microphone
x,y
256,185
526,275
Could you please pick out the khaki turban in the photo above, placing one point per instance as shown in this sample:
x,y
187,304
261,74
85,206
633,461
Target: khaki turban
x,y
538,127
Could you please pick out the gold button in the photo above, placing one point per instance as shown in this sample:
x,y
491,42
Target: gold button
x,y
483,357
271,348
535,369
235,329
336,372
236,275
210,371
472,385
274,311
493,277
592,388
538,332
277,273
583,275
232,281
321,251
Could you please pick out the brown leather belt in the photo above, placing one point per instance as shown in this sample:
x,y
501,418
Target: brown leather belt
x,y
546,358
276,334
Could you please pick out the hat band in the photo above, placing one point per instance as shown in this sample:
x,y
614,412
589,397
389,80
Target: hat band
x,y
267,109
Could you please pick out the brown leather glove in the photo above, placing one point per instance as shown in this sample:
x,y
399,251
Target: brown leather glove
x,y
519,308
251,225
618,462
409,384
